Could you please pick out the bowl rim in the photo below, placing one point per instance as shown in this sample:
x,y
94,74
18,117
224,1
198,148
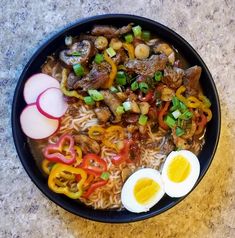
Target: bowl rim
x,y
41,48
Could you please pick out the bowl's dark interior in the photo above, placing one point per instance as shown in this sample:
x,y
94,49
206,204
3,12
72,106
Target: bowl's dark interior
x,y
212,133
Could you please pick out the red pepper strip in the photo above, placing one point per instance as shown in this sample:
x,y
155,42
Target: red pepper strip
x,y
93,187
126,153
201,124
148,97
93,164
162,113
62,152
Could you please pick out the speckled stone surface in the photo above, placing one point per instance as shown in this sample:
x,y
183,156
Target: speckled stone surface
x,y
210,210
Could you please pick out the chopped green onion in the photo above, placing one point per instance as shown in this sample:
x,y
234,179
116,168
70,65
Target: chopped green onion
x,y
144,87
186,115
170,121
134,86
137,30
76,53
178,148
105,175
111,52
97,96
129,38
182,107
158,76
99,58
121,78
143,120
78,70
146,35
113,89
180,122
127,106
179,131
120,110
89,101
176,114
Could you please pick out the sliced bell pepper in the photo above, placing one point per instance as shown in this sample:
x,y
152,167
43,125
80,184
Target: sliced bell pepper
x,y
93,187
201,123
193,102
148,97
162,113
58,186
93,164
179,95
130,49
63,88
113,131
47,165
113,72
127,153
62,152
96,132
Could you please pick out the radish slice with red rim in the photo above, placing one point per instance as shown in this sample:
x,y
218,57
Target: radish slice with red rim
x,y
51,103
35,125
36,84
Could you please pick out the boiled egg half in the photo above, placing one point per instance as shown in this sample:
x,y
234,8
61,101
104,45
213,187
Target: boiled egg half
x,y
180,173
142,190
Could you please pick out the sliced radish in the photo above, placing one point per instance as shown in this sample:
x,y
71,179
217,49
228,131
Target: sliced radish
x,y
35,125
51,103
36,84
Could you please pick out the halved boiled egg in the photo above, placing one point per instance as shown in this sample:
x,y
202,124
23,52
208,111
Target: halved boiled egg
x,y
142,190
180,173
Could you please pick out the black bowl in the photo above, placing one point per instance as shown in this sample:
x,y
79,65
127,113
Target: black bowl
x,y
33,66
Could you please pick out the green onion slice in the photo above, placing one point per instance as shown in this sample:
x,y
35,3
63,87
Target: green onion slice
x,y
89,101
137,30
179,131
99,58
111,52
128,38
105,175
144,87
158,76
97,96
170,121
78,70
127,106
134,86
143,120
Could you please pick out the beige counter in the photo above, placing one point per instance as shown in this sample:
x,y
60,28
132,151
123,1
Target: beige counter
x,y
207,212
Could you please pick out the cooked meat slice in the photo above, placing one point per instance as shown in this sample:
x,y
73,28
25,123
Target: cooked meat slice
x,y
88,37
72,80
110,31
120,57
131,117
96,78
125,29
80,52
106,31
103,114
173,77
87,144
112,101
148,66
191,80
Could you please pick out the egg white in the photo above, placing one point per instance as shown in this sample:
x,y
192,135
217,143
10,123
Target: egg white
x,y
127,194
180,189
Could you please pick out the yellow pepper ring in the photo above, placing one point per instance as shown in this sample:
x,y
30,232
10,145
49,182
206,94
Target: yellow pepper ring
x,y
193,102
179,95
96,132
56,173
130,49
113,72
46,166
63,88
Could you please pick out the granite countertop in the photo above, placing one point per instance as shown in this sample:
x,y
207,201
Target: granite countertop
x,y
207,212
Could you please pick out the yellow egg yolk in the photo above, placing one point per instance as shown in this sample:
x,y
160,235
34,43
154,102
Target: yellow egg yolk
x,y
178,169
145,189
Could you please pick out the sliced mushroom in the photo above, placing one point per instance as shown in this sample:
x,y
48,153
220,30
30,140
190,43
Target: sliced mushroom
x,y
87,144
79,53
